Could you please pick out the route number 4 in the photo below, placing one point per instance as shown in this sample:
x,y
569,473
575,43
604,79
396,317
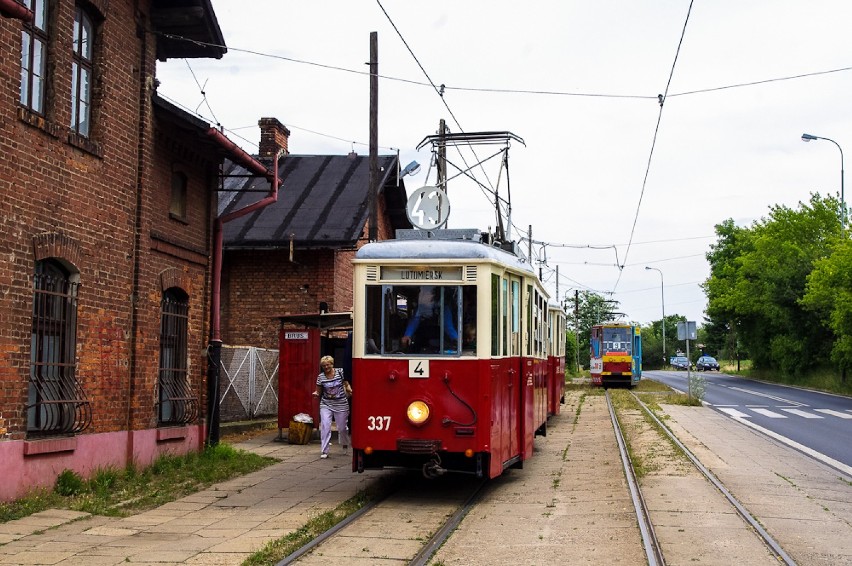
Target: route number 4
x,y
418,368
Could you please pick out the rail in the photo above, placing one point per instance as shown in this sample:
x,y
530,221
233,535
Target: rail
x,y
651,544
742,511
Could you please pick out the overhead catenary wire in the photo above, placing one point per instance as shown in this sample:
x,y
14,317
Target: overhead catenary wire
x,y
662,100
531,91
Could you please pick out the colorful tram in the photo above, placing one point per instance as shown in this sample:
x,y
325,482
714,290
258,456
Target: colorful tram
x,y
616,354
450,357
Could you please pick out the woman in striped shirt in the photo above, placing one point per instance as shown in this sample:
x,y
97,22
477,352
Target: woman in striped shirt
x,y
333,392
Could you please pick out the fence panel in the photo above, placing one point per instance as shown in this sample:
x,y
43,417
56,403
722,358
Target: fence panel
x,y
248,382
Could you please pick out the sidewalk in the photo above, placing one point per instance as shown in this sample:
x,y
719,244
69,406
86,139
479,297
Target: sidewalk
x,y
804,504
221,525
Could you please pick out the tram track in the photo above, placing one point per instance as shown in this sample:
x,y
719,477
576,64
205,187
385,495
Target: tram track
x,y
358,531
650,541
653,548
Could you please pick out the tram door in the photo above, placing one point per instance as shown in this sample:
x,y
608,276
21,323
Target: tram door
x,y
517,373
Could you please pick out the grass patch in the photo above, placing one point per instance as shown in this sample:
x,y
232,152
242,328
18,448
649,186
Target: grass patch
x,y
825,379
653,392
277,550
624,401
119,493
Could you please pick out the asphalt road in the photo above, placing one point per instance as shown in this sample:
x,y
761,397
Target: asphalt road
x,y
818,424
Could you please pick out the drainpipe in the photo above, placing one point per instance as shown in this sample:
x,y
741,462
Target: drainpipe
x,y
215,348
13,9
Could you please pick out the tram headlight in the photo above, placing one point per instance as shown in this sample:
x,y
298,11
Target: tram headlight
x,y
417,413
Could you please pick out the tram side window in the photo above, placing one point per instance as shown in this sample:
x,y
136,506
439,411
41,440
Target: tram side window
x,y
505,345
495,315
469,319
516,318
373,320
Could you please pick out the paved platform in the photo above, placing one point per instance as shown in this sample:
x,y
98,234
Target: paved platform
x,y
806,505
221,525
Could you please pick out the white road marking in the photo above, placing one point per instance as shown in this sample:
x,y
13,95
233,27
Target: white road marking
x,y
735,413
770,414
802,414
834,413
793,444
773,397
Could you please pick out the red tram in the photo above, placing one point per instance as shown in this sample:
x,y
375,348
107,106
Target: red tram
x,y
555,359
450,357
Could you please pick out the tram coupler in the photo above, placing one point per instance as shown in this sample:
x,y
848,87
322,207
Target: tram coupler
x,y
432,469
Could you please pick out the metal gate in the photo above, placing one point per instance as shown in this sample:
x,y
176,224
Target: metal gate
x,y
248,381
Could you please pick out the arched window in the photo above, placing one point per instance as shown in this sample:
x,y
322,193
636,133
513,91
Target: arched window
x,y
177,405
34,57
57,404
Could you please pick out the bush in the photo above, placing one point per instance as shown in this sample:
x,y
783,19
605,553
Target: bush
x,y
69,483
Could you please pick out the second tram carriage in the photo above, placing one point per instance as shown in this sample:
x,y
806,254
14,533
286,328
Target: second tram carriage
x,y
616,354
450,357
555,359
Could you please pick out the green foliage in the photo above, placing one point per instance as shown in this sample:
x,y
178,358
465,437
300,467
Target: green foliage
x,y
758,278
69,483
829,293
118,492
571,353
653,356
275,551
590,309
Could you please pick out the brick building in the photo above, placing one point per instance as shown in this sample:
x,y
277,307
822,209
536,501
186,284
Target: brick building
x,y
294,256
106,237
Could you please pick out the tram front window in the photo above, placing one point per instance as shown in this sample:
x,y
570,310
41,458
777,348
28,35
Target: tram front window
x,y
617,340
418,319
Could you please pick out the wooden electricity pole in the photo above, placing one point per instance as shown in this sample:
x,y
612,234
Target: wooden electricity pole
x,y
374,137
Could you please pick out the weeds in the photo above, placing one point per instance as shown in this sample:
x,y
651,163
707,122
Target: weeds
x,y
115,492
278,549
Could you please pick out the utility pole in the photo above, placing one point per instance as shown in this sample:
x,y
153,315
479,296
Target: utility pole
x,y
442,156
577,326
374,137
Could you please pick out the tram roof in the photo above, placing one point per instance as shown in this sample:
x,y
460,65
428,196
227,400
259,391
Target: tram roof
x,y
416,250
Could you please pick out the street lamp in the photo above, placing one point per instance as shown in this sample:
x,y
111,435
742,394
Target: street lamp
x,y
809,137
663,298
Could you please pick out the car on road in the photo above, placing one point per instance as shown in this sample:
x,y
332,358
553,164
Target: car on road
x,y
706,363
679,362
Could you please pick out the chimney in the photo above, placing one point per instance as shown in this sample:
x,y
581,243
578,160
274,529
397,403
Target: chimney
x,y
273,137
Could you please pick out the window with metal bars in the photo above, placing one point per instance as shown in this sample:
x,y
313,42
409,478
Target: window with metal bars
x,y
34,38
57,403
177,405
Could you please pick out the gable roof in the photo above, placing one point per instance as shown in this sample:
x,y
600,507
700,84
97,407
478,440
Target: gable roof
x,y
323,202
187,28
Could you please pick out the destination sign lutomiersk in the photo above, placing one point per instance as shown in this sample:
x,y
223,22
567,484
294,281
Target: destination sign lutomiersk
x,y
422,274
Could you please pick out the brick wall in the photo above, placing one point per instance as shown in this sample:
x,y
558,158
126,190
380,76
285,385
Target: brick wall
x,y
259,285
57,186
79,200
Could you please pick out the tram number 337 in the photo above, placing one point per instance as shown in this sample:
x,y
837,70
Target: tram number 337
x,y
378,423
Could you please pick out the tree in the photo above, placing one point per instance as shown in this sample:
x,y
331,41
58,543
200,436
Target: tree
x,y
758,277
590,308
829,293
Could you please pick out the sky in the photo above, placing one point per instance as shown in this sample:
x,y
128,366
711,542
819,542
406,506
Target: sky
x,y
610,181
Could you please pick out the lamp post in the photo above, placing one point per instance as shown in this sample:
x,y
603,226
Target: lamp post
x,y
809,137
663,298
